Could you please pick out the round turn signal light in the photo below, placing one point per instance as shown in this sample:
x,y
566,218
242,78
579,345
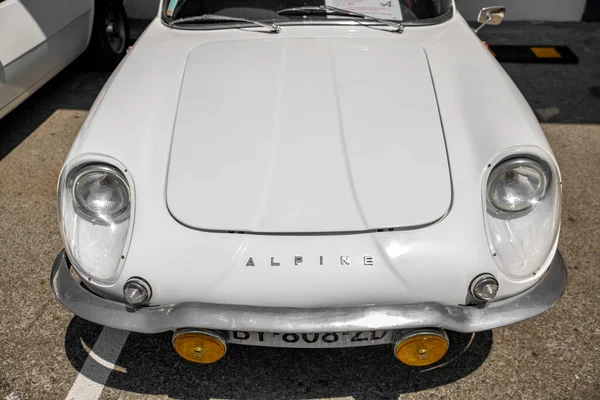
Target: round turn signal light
x,y
421,348
484,287
202,347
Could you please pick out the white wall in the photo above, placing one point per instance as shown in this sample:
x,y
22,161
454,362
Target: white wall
x,y
141,9
527,10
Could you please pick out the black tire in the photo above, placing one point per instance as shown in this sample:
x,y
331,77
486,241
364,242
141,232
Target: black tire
x,y
110,35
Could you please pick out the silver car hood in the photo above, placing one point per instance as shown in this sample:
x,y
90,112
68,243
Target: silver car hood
x,y
307,135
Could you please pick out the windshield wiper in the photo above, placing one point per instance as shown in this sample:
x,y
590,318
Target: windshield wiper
x,y
399,28
273,28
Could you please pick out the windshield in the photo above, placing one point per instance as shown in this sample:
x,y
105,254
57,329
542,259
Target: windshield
x,y
410,11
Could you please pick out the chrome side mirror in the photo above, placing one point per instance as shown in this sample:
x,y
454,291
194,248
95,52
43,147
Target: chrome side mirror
x,y
490,16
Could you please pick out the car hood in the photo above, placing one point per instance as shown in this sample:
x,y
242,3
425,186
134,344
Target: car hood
x,y
306,135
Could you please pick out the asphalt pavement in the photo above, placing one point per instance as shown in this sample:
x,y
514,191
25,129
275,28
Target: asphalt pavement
x,y
46,353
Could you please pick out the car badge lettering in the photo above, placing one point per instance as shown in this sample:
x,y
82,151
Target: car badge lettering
x,y
297,260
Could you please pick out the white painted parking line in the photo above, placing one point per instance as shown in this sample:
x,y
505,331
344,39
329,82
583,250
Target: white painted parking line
x,y
94,374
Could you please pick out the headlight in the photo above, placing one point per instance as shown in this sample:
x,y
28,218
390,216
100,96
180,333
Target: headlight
x,y
522,213
517,185
101,193
95,209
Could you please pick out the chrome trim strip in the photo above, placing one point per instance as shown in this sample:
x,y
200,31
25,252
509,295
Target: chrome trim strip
x,y
157,319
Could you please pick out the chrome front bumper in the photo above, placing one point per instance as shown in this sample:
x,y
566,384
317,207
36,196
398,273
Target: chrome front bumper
x,y
94,308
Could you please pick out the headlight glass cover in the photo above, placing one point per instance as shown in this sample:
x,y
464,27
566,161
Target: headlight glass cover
x,y
522,213
95,207
517,185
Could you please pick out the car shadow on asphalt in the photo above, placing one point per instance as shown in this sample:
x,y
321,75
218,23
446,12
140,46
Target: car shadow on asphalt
x,y
148,365
75,88
564,94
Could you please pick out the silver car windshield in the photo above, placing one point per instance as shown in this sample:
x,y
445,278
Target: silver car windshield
x,y
400,12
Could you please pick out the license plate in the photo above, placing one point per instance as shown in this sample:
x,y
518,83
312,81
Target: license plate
x,y
310,340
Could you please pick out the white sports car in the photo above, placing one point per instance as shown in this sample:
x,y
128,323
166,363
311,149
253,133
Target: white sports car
x,y
306,174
